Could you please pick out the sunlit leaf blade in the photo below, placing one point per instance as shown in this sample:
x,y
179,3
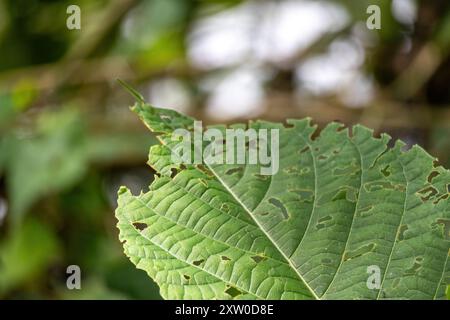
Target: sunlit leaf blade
x,y
340,204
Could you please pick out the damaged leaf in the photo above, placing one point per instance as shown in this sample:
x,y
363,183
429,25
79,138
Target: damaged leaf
x,y
309,231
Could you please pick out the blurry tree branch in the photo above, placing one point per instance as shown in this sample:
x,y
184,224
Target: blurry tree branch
x,y
77,63
94,36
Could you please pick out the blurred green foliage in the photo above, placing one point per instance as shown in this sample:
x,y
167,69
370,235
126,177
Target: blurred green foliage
x,y
26,254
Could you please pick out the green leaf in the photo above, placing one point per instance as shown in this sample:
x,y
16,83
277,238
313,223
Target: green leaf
x,y
341,204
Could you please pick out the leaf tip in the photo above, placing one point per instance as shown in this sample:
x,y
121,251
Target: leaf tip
x,y
131,90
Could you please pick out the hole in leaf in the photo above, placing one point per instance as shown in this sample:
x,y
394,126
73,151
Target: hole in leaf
x,y
225,258
234,170
432,175
385,171
186,277
173,172
198,262
205,170
320,226
258,259
443,197
427,193
233,292
304,149
140,225
277,203
359,252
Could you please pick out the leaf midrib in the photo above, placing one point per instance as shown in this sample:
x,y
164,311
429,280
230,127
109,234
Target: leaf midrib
x,y
264,231
288,260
